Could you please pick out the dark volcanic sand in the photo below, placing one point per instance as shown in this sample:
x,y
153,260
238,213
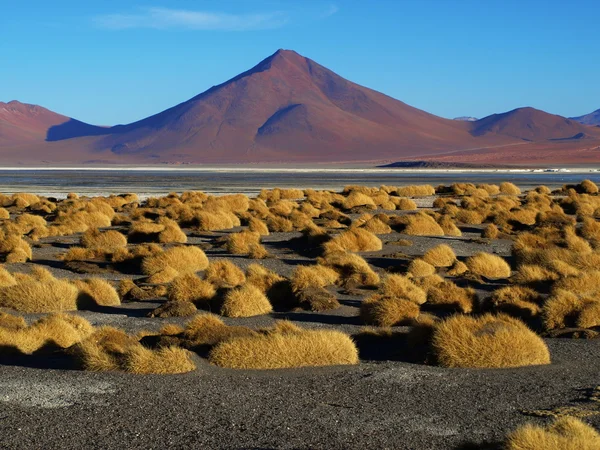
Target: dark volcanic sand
x,y
377,404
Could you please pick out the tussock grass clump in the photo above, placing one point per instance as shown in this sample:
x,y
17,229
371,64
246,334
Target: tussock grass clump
x,y
353,269
416,191
488,265
421,224
245,301
566,309
241,243
54,330
440,256
17,250
508,188
290,348
448,295
517,301
183,259
164,276
316,276
258,226
212,221
190,288
317,299
399,286
565,433
487,341
386,311
587,283
355,199
106,241
261,277
457,269
490,231
40,292
6,279
354,240
376,226
224,274
174,309
98,291
419,268
208,329
4,214
448,226
164,360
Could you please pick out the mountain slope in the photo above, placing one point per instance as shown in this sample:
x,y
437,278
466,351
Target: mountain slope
x,y
529,124
592,118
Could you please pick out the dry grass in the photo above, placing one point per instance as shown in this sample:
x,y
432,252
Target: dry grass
x,y
258,251
164,360
190,288
241,243
376,226
517,301
488,265
416,191
448,226
357,199
107,241
174,309
99,292
352,269
419,268
258,226
487,342
34,294
316,276
508,188
183,259
209,330
291,348
401,287
354,240
490,231
224,274
54,330
457,269
421,224
245,301
317,299
6,279
440,256
261,277
449,296
164,276
212,221
385,311
564,308
565,433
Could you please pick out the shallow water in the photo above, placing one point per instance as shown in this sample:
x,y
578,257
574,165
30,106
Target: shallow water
x,y
57,183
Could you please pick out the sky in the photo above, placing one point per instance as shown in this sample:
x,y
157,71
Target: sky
x,y
116,61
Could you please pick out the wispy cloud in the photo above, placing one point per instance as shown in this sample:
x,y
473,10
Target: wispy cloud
x,y
330,11
165,18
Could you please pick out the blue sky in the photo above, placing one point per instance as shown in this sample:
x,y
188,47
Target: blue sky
x,y
109,62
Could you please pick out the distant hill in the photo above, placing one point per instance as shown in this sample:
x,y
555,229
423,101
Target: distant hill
x,y
592,118
529,124
286,109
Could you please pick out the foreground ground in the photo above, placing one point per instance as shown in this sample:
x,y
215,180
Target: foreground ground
x,y
383,402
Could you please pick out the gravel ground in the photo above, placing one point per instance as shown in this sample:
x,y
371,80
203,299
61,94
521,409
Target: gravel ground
x,y
378,404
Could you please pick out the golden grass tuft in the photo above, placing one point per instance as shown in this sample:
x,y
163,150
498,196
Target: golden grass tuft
x,y
565,433
6,279
164,360
385,311
352,269
421,224
183,259
440,256
487,342
245,301
448,226
517,301
39,295
457,269
399,286
58,330
286,349
99,291
316,276
224,274
190,288
563,309
488,265
258,226
376,226
357,199
166,275
241,243
209,329
416,191
490,231
261,277
174,309
354,240
508,188
448,295
419,268
106,241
